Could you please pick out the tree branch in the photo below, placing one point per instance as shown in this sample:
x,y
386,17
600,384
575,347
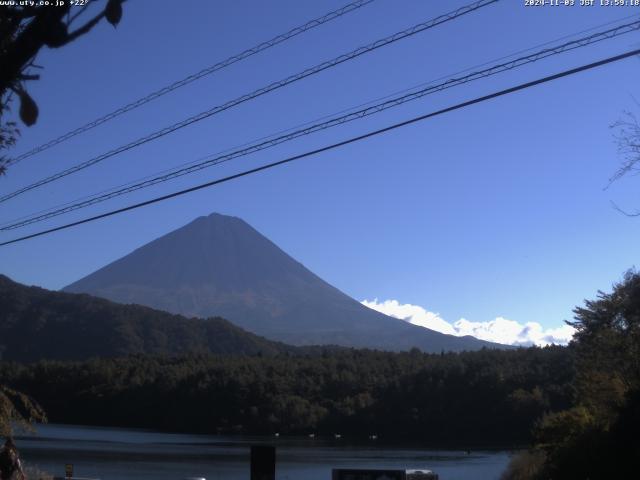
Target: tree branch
x,y
86,28
27,44
80,12
29,77
624,212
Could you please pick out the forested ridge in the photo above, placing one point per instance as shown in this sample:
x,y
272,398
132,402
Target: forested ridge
x,y
484,398
41,324
578,407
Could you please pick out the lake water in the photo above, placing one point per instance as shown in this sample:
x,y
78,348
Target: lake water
x,y
108,453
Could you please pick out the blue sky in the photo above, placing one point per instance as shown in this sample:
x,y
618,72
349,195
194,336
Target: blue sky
x,y
497,210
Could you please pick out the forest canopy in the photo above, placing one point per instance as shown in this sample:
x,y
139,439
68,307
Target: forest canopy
x,y
484,398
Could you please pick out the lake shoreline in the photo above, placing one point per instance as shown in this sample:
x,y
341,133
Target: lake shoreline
x,y
140,454
288,439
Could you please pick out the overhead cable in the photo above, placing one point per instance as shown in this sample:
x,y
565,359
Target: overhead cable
x,y
316,22
333,146
332,122
421,27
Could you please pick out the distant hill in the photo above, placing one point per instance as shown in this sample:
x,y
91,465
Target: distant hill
x,y
40,324
220,266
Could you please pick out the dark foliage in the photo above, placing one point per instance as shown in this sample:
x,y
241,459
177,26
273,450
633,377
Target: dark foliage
x,y
598,436
484,398
167,377
17,410
37,324
24,31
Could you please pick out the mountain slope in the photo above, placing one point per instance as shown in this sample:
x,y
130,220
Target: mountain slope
x,y
40,324
220,266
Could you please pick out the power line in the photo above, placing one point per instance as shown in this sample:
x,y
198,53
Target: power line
x,y
333,146
269,88
339,120
109,193
316,22
311,122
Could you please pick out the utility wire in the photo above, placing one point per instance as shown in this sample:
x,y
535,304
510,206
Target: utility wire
x,y
311,122
323,117
316,22
261,91
291,129
491,96
335,121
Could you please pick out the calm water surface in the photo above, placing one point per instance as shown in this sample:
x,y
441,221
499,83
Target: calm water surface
x,y
108,453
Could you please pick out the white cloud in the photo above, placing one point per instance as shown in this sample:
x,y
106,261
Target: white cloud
x,y
500,330
411,313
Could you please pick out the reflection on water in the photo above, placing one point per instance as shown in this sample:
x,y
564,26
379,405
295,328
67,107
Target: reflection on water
x,y
108,453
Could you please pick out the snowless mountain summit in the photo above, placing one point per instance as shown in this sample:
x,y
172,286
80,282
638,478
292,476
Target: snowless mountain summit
x,y
221,266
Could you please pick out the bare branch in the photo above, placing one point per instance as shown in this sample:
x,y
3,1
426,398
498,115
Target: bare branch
x,y
624,212
627,137
86,28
